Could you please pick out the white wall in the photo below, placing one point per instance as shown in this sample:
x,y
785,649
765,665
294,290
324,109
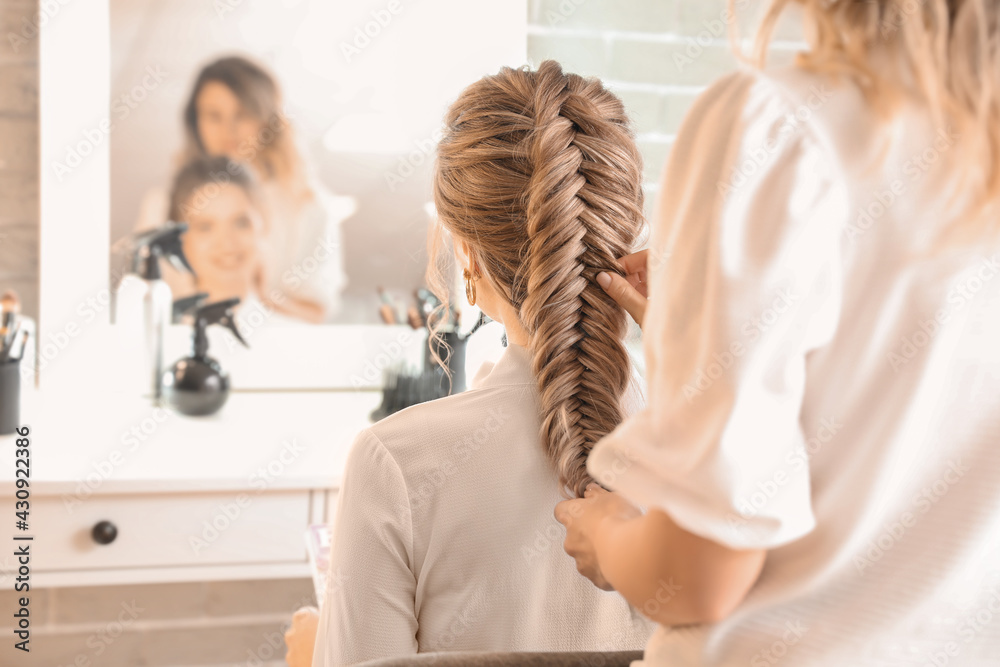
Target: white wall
x,y
657,55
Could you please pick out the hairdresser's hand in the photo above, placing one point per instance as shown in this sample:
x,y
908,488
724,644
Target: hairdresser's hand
x,y
583,518
279,302
631,291
300,637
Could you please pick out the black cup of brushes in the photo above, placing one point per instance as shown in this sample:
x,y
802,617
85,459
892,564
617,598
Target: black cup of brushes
x,y
404,388
13,343
10,395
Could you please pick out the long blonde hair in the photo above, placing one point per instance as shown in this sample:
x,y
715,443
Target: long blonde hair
x,y
951,49
539,173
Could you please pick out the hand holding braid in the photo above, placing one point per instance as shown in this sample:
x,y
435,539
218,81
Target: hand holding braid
x,y
539,172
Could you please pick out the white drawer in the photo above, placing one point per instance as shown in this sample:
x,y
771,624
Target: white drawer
x,y
170,530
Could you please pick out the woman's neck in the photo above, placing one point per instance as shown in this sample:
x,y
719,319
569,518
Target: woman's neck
x,y
516,334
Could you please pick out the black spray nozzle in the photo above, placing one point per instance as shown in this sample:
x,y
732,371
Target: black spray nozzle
x,y
219,312
162,242
186,304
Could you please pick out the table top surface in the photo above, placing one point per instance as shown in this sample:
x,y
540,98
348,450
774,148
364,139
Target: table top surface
x,y
121,443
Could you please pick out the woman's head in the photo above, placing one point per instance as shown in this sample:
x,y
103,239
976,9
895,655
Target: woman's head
x,y
538,174
219,201
235,111
950,49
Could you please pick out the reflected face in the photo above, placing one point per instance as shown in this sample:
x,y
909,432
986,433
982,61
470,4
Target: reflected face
x,y
225,127
221,242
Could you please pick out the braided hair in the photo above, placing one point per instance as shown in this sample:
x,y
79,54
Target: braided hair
x,y
538,171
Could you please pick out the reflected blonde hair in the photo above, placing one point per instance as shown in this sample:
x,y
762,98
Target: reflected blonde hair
x,y
273,151
951,48
539,173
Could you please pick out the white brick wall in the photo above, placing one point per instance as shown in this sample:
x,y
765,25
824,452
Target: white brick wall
x,y
657,55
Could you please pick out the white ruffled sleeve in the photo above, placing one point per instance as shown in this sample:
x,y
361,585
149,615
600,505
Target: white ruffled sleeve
x,y
744,280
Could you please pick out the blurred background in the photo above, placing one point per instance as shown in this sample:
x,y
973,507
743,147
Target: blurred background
x,y
356,134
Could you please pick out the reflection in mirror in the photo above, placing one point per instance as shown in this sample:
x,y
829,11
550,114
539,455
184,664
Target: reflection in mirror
x,y
295,140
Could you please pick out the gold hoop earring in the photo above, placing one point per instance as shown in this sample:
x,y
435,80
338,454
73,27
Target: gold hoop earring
x,y
470,287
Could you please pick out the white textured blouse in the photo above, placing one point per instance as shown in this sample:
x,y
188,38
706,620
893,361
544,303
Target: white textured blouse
x,y
445,538
823,381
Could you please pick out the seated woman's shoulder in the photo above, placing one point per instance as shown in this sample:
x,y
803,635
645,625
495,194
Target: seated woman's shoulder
x,y
437,424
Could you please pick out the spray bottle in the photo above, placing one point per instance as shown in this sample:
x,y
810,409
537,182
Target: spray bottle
x,y
144,304
197,385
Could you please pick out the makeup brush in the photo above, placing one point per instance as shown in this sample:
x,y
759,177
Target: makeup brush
x,y
10,306
387,310
7,347
7,354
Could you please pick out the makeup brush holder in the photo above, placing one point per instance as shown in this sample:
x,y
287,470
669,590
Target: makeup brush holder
x,y
10,396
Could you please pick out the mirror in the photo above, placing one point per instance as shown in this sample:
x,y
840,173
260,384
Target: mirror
x,y
328,113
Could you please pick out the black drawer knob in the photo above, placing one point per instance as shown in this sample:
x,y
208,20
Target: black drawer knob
x,y
104,532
